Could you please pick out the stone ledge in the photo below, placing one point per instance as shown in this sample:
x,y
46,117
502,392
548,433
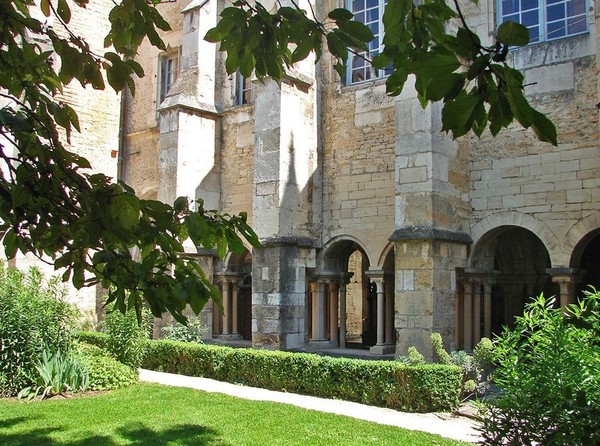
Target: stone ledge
x,y
429,233
289,240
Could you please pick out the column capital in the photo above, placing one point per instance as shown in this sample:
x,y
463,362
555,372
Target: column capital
x,y
566,275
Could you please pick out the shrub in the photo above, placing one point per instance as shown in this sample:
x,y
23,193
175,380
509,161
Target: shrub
x,y
32,317
105,372
548,368
126,336
390,384
57,373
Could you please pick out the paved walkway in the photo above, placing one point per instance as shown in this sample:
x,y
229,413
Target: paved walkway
x,y
446,425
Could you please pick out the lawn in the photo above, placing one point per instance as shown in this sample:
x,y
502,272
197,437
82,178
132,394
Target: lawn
x,y
150,414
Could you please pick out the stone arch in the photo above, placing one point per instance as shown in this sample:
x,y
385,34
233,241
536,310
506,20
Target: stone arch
x,y
342,299
509,264
234,280
335,253
484,228
583,240
386,256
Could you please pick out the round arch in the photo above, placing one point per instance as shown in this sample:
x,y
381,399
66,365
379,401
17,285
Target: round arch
x,y
336,252
485,227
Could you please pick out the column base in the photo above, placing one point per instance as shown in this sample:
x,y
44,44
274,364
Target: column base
x,y
321,343
386,349
230,337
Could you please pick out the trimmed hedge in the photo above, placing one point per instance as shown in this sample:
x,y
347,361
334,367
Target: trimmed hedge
x,y
426,388
96,338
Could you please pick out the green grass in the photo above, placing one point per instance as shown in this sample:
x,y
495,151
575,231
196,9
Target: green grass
x,y
150,414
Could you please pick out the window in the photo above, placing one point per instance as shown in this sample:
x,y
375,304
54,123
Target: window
x,y
169,70
369,12
546,19
244,91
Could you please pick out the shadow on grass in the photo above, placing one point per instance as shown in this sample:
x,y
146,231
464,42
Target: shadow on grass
x,y
185,434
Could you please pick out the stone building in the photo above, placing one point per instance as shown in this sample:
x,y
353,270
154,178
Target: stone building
x,y
99,117
377,228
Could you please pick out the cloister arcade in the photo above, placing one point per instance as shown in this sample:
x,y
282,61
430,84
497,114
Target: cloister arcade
x,y
509,265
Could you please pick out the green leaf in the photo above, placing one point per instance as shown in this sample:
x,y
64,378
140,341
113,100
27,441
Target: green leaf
x,y
543,127
340,14
512,34
457,113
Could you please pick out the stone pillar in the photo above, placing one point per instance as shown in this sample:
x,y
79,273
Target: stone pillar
x,y
567,279
380,348
226,306
467,343
234,309
285,162
318,312
431,223
187,116
487,309
477,301
343,314
333,313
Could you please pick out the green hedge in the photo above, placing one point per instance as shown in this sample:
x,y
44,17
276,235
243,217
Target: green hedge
x,y
425,388
96,338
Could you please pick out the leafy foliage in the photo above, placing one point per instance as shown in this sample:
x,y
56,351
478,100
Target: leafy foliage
x,y
32,317
478,88
51,207
548,368
126,336
474,367
192,332
57,373
423,388
105,372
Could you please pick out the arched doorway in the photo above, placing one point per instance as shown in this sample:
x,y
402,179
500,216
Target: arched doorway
x,y
585,260
509,267
342,299
235,283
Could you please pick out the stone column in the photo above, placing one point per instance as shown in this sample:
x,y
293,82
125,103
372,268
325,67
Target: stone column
x,y
226,306
318,312
343,314
477,300
487,309
380,348
234,309
467,343
333,313
567,279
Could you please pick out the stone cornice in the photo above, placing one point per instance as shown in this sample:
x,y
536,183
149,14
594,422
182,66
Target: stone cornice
x,y
429,233
290,240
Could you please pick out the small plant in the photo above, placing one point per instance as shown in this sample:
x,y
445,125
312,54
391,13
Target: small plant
x,y
192,332
414,357
474,367
127,336
57,373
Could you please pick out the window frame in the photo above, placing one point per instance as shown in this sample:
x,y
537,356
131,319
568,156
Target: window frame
x,y
244,90
163,59
375,73
542,25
